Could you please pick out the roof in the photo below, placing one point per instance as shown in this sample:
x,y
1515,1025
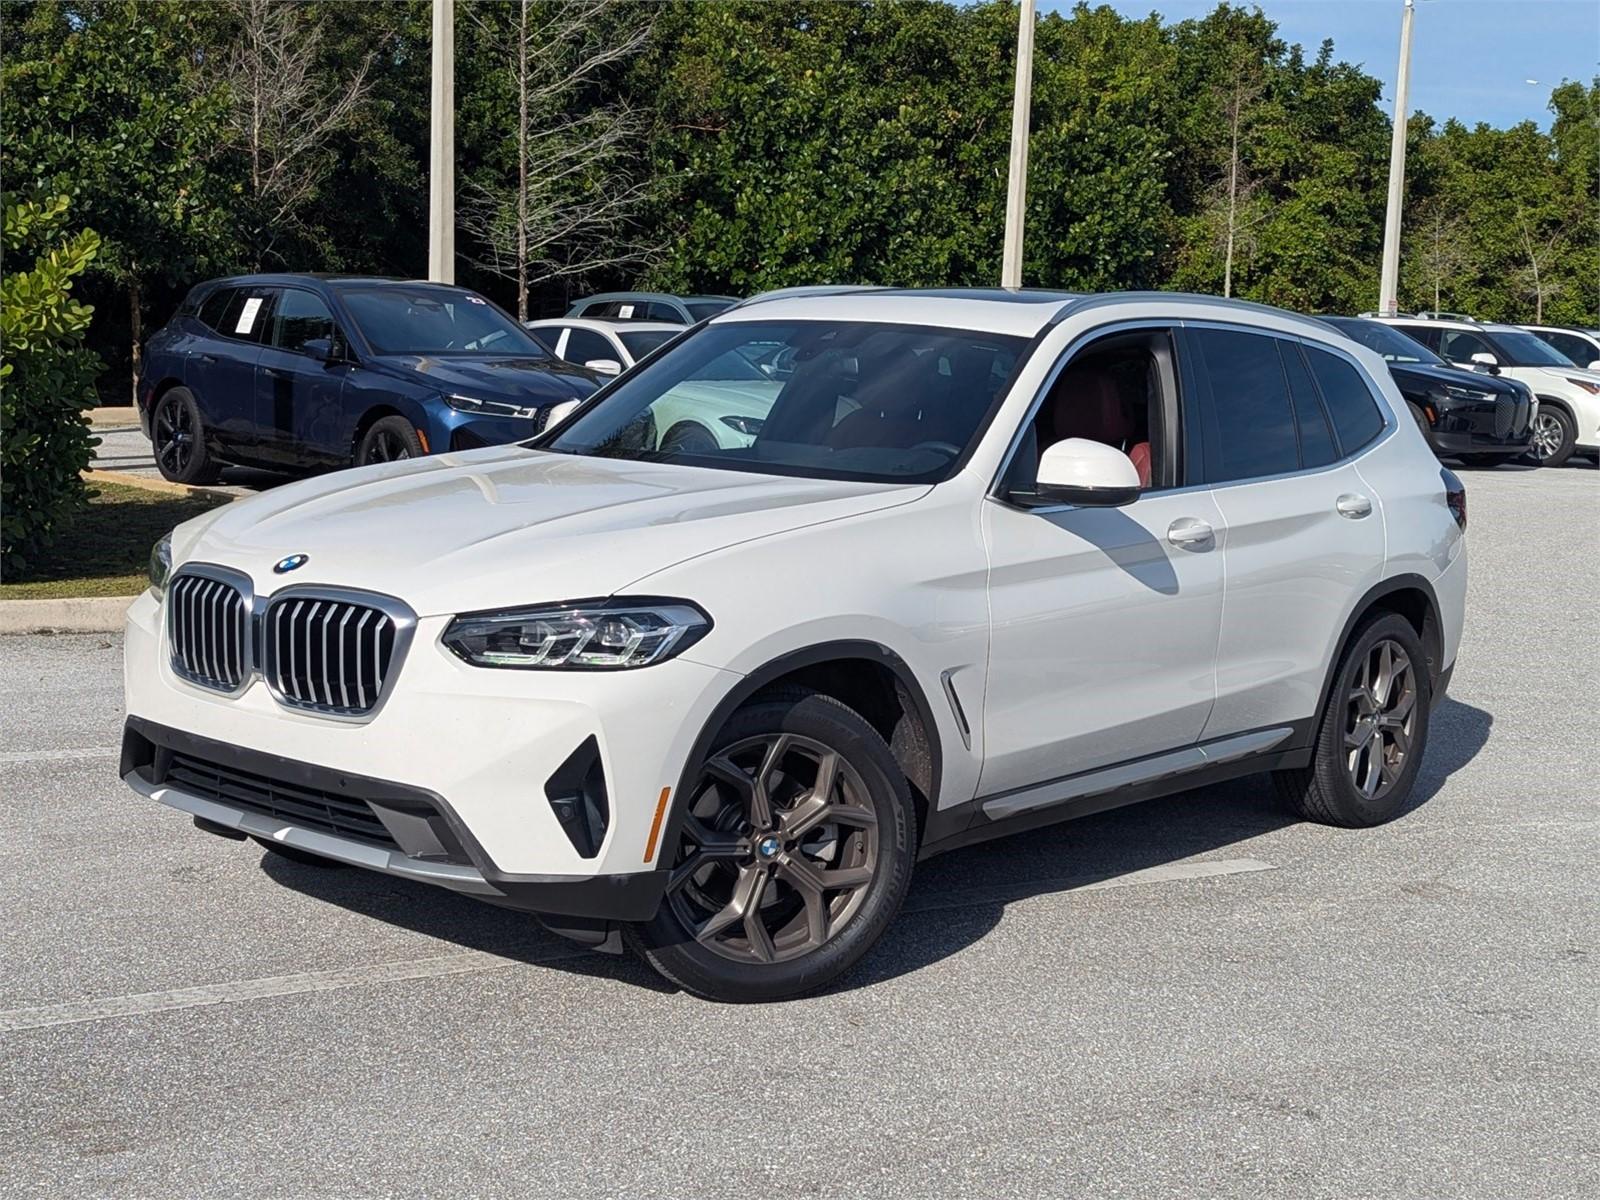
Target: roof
x,y
1018,312
328,277
606,326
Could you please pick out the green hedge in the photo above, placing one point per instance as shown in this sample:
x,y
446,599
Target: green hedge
x,y
46,378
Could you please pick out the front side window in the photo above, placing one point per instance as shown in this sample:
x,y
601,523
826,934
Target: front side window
x,y
1459,346
299,318
869,402
641,341
1356,417
548,336
584,345
701,309
1386,340
1250,421
433,320
1427,335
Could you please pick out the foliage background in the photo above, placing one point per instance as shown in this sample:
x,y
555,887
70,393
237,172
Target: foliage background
x,y
806,141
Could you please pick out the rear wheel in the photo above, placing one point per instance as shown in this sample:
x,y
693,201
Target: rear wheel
x,y
1372,733
688,437
389,440
796,851
178,439
1554,436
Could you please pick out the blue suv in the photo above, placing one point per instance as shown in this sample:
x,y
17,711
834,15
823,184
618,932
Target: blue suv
x,y
308,372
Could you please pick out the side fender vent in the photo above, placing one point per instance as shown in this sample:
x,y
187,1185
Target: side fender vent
x,y
577,795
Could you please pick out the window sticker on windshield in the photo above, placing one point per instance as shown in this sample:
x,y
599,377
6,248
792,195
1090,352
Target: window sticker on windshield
x,y
625,311
476,300
247,317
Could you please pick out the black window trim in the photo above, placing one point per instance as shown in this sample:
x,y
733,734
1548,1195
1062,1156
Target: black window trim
x,y
1390,422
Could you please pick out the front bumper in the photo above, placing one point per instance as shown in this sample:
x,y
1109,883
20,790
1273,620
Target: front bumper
x,y
478,751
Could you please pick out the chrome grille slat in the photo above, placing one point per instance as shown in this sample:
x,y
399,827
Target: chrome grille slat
x,y
330,654
208,622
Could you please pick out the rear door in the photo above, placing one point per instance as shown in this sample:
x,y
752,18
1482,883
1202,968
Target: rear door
x,y
221,370
299,414
1281,423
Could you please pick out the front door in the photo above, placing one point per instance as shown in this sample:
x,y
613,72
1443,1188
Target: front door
x,y
1104,621
298,394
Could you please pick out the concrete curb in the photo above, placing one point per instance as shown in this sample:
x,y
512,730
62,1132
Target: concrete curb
x,y
75,614
165,487
112,417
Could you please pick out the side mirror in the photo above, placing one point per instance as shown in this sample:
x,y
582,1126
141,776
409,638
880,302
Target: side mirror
x,y
1594,366
1086,473
328,350
1486,362
558,413
604,366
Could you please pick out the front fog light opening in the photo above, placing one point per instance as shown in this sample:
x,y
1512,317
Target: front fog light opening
x,y
576,792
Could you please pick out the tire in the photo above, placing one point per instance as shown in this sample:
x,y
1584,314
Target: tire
x,y
1355,741
1421,419
700,939
178,440
294,854
689,437
389,439
1555,435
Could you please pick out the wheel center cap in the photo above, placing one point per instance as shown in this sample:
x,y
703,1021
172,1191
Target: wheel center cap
x,y
768,847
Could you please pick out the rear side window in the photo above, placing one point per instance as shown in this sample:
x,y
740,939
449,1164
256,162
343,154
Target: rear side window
x,y
547,337
245,317
1459,346
1427,335
214,305
1250,423
1356,416
1317,448
657,311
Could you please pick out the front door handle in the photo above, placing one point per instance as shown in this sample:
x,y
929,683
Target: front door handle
x,y
1353,505
1189,531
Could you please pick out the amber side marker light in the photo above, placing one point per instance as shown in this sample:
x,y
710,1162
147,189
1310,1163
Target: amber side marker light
x,y
423,438
655,825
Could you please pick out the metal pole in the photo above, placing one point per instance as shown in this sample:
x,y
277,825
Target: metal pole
x,y
1389,284
1017,183
442,147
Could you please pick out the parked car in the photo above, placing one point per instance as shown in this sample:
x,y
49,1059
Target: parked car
x,y
985,566
1579,346
650,306
1568,418
307,372
604,347
1476,418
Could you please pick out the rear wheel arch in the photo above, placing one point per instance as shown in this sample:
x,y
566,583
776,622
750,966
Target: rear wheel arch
x,y
865,676
1410,596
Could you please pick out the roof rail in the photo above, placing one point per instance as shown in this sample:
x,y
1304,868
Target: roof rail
x,y
1447,316
1097,299
810,289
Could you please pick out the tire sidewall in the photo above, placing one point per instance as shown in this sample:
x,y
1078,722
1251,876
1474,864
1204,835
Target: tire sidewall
x,y
397,423
673,950
1329,762
199,458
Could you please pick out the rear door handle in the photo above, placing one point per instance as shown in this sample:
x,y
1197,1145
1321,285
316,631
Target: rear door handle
x,y
1189,531
1353,505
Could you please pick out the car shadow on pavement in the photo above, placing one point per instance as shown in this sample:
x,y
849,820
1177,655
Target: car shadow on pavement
x,y
955,900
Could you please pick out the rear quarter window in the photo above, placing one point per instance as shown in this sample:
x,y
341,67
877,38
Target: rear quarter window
x,y
1351,406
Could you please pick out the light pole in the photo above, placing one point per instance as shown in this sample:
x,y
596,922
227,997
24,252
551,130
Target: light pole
x,y
1017,182
1389,282
442,147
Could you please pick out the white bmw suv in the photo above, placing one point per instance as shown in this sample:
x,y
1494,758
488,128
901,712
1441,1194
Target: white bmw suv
x,y
992,559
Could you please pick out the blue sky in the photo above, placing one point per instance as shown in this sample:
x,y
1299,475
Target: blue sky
x,y
1469,58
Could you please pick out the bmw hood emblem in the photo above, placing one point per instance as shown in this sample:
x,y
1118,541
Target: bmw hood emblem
x,y
293,563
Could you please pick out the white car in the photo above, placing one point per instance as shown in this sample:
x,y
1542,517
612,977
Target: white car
x,y
1568,417
1580,346
603,346
985,566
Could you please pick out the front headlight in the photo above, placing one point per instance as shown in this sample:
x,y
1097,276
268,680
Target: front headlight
x,y
1453,392
606,636
490,408
160,566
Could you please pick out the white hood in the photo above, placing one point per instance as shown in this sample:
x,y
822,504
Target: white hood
x,y
508,525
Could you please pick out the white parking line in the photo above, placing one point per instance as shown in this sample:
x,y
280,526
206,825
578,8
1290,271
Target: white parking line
x,y
28,756
74,1012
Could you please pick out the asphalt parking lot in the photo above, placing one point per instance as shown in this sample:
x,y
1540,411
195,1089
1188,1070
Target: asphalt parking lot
x,y
1197,997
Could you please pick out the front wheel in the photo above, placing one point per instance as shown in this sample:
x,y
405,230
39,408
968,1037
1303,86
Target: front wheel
x,y
389,440
797,843
1555,436
1372,733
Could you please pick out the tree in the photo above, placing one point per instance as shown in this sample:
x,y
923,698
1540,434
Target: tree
x,y
283,112
558,194
1440,247
46,377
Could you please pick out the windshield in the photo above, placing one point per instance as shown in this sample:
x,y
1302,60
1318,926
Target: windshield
x,y
701,309
868,402
1388,341
397,320
1525,350
641,343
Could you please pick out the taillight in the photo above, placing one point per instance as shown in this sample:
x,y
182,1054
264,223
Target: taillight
x,y
1455,495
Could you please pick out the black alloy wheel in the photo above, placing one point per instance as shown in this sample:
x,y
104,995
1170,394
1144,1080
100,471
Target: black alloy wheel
x,y
177,439
390,439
